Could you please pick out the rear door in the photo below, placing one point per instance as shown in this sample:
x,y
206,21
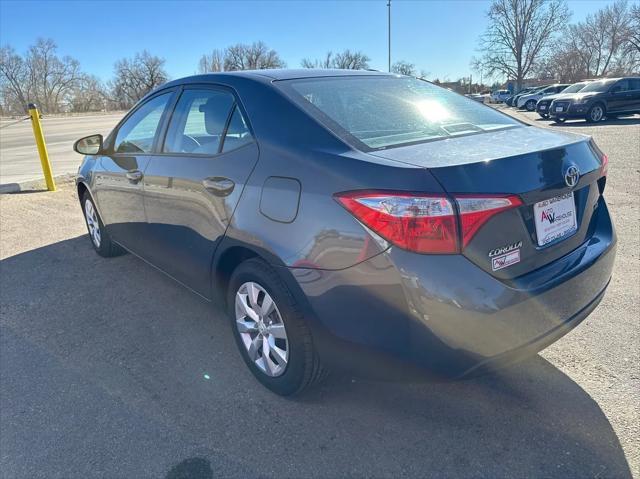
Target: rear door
x,y
194,181
117,184
620,97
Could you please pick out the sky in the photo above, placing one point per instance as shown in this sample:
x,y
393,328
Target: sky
x,y
438,36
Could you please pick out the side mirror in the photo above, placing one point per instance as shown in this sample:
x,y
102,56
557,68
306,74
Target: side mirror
x,y
89,145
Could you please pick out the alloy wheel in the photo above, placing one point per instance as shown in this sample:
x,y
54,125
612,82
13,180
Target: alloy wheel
x,y
93,223
261,329
597,113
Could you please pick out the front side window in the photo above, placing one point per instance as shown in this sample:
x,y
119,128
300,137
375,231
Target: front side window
x,y
389,111
136,135
199,121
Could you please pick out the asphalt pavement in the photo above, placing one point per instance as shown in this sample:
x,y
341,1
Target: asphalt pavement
x,y
110,369
19,160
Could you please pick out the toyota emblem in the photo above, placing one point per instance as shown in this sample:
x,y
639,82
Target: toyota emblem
x,y
571,176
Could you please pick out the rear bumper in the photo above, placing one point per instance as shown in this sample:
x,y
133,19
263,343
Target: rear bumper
x,y
445,315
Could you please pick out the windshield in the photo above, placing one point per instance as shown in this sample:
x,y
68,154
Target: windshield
x,y
598,86
575,87
389,111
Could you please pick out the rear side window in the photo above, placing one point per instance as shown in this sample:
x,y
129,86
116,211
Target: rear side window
x,y
237,132
199,121
137,133
380,112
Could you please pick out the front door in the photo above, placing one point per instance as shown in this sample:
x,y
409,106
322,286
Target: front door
x,y
117,184
194,182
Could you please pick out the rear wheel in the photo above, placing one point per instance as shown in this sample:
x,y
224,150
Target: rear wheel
x,y
530,105
100,238
595,113
559,120
544,115
270,331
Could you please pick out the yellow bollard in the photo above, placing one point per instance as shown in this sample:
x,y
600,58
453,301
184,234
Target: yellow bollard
x,y
42,146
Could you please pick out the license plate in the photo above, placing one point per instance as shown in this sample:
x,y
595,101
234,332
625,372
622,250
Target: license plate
x,y
543,107
558,108
555,218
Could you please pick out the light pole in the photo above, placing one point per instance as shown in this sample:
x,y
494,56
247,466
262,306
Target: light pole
x,y
389,31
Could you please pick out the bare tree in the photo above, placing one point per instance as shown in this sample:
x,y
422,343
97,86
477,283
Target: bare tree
x,y
404,68
51,79
326,62
212,62
602,44
41,77
347,59
633,42
14,81
89,95
518,35
135,77
257,56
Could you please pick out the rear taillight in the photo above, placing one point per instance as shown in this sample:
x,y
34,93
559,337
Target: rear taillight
x,y
415,222
424,223
476,211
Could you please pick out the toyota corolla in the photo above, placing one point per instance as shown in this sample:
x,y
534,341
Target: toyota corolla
x,y
355,219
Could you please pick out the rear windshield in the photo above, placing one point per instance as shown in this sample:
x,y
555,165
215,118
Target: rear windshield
x,y
381,112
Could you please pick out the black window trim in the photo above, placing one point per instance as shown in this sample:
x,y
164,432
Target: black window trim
x,y
205,86
110,141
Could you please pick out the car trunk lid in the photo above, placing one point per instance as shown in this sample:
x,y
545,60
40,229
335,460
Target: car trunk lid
x,y
528,162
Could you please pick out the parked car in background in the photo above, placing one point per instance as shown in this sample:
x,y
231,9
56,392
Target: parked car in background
x,y
542,107
599,99
476,96
345,215
499,96
511,100
528,101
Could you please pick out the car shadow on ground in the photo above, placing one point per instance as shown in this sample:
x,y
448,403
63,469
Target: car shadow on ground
x,y
168,360
584,123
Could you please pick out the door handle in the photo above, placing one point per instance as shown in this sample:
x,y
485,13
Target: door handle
x,y
219,185
134,176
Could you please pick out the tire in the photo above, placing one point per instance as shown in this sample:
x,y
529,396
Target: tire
x,y
560,120
544,115
293,364
530,105
596,113
98,235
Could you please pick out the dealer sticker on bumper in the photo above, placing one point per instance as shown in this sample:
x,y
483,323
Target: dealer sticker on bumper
x,y
504,260
555,218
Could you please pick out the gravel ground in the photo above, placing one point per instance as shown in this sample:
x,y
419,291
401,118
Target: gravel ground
x,y
103,364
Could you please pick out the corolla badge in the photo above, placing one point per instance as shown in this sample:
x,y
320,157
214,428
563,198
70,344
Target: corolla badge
x,y
571,176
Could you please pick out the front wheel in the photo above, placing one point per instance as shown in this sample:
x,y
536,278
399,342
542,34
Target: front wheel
x,y
530,105
595,113
100,238
270,330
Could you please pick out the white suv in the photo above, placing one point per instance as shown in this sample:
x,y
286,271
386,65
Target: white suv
x,y
529,101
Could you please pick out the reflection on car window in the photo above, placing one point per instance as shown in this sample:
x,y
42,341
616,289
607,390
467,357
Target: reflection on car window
x,y
198,122
389,111
137,133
